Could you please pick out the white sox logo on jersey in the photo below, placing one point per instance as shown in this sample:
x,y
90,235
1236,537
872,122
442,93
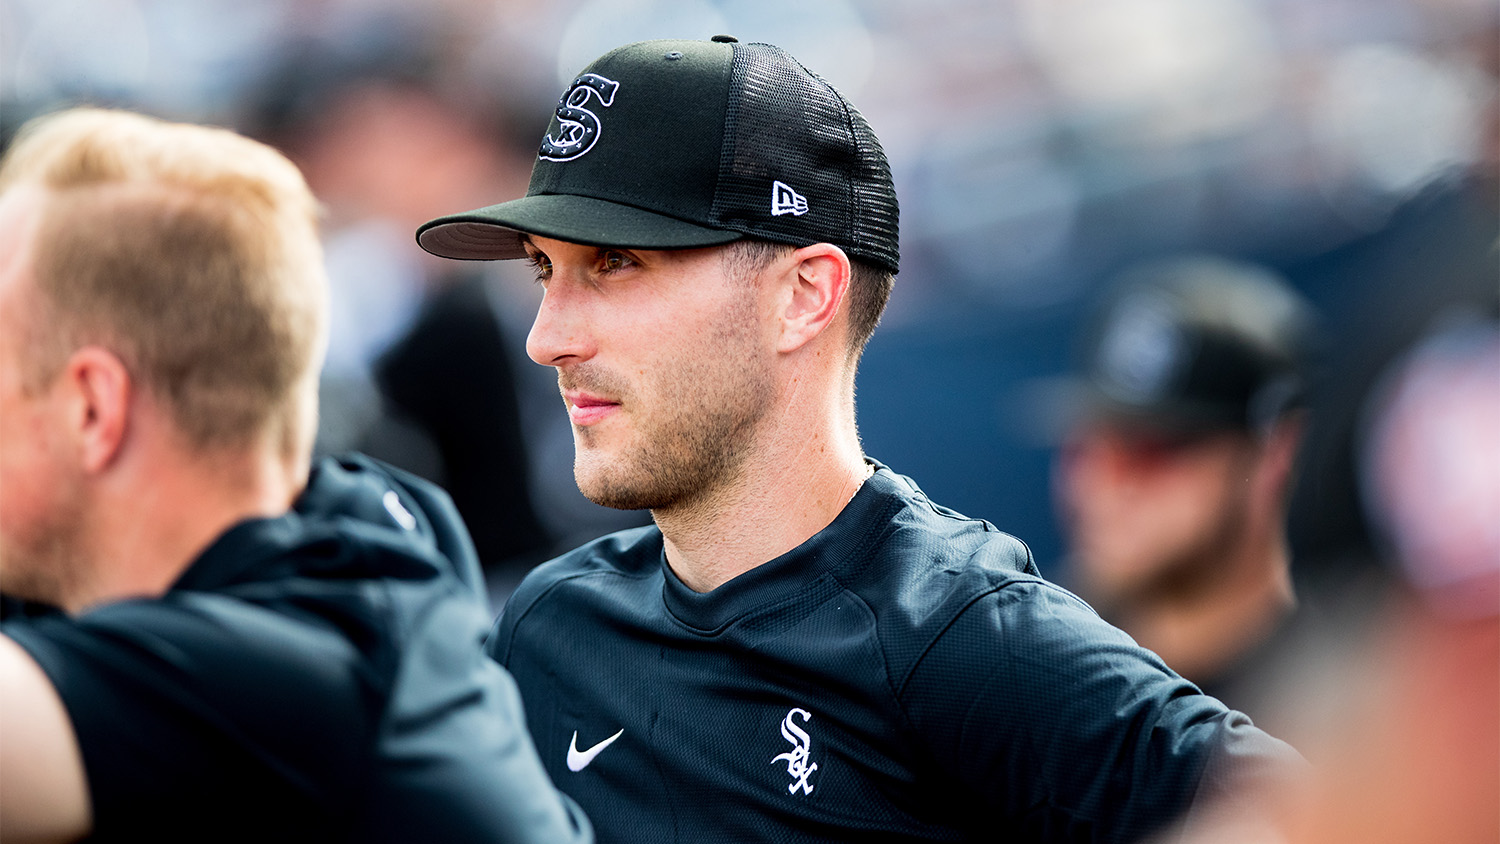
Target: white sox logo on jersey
x,y
797,760
577,127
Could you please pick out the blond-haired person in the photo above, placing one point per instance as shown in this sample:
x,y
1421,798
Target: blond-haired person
x,y
246,646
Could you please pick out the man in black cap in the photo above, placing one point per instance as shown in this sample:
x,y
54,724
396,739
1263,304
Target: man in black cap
x,y
803,646
1173,480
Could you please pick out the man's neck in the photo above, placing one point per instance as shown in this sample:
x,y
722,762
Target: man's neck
x,y
149,526
775,505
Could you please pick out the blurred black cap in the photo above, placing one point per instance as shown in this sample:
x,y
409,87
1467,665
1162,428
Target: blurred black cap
x,y
1194,344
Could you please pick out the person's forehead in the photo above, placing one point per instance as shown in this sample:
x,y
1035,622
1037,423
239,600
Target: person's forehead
x,y
21,208
1154,432
20,211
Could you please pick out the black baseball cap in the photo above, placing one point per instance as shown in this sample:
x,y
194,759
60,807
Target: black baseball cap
x,y
1195,344
681,144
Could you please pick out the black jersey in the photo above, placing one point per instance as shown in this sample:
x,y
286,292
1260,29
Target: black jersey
x,y
905,674
313,677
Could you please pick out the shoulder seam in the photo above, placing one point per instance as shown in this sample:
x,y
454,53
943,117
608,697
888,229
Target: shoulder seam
x,y
542,595
994,588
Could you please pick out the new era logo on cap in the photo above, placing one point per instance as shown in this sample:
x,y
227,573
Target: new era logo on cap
x,y
784,200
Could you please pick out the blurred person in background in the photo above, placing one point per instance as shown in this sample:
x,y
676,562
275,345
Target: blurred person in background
x,y
247,647
1395,690
1396,536
1406,740
1173,480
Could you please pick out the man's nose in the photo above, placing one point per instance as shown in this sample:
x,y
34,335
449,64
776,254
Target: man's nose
x,y
558,334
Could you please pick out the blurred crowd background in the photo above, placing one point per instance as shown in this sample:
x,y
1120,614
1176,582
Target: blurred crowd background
x,y
1040,147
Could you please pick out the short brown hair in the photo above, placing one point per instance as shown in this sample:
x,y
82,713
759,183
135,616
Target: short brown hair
x,y
192,253
869,286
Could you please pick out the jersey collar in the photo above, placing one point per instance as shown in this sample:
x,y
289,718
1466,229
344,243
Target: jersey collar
x,y
810,569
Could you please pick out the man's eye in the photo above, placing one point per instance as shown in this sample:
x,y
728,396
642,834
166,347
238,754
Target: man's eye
x,y
610,261
541,265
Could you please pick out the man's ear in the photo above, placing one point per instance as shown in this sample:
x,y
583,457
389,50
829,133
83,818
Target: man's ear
x,y
819,281
98,405
1279,456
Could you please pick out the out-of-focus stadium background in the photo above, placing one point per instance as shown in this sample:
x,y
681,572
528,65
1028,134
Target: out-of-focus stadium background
x,y
1039,147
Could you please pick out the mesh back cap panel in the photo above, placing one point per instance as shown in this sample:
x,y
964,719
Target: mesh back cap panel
x,y
786,124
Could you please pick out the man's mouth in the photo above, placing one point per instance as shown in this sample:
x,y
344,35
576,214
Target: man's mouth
x,y
588,409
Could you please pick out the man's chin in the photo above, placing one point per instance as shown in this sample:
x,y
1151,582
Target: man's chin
x,y
615,498
20,585
612,482
41,568
599,478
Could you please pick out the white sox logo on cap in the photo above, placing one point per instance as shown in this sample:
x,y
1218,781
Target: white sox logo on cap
x,y
577,127
1142,350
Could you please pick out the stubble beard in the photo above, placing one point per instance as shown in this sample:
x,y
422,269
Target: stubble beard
x,y
678,462
45,565
691,439
1192,568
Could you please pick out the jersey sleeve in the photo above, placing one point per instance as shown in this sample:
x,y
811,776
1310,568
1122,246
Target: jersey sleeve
x,y
1042,713
201,702
462,764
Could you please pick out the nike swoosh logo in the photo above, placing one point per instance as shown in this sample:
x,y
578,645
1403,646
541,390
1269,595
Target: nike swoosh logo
x,y
578,761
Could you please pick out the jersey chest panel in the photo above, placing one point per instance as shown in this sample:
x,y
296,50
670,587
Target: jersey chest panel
x,y
783,721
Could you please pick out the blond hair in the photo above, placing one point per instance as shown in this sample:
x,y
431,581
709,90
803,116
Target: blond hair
x,y
190,252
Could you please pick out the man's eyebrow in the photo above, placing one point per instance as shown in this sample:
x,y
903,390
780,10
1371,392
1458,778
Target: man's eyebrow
x,y
526,240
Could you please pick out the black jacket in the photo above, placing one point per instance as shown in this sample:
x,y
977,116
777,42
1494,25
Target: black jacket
x,y
313,677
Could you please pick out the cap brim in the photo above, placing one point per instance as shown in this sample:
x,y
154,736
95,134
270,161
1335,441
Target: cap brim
x,y
1055,405
495,233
